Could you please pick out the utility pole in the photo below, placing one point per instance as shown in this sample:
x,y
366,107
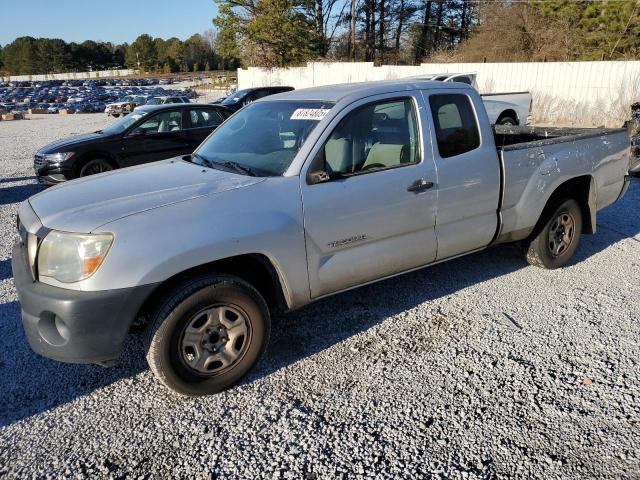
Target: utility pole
x,y
353,30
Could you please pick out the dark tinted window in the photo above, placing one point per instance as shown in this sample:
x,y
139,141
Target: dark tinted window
x,y
462,79
456,127
201,118
263,93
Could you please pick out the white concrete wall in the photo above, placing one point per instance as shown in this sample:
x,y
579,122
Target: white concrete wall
x,y
600,91
72,76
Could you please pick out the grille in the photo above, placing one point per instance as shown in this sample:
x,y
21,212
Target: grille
x,y
38,162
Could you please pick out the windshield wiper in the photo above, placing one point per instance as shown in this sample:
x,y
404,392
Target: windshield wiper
x,y
205,161
229,165
238,168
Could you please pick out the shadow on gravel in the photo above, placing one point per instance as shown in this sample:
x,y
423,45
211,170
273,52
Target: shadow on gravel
x,y
16,179
30,384
5,269
330,321
18,193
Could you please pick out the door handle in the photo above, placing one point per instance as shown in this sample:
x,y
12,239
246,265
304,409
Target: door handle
x,y
420,186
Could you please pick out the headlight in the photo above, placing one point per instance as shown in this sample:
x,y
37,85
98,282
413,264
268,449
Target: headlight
x,y
57,157
71,257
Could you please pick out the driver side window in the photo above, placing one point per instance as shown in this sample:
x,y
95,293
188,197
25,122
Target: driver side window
x,y
374,137
163,122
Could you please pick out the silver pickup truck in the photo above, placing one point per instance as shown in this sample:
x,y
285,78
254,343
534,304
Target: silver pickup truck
x,y
296,197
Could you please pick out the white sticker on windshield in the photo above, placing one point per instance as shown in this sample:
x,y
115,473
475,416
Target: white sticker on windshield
x,y
309,114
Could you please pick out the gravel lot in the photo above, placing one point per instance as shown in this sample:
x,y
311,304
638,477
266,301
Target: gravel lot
x,y
481,367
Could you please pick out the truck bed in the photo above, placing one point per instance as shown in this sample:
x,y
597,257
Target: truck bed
x,y
535,160
516,138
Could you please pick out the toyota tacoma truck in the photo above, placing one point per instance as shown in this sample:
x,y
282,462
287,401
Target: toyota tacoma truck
x,y
296,197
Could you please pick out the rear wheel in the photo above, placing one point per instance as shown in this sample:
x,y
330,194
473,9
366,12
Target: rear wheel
x,y
558,239
96,165
509,121
208,335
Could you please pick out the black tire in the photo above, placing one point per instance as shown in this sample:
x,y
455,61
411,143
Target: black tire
x,y
507,121
558,239
167,332
115,115
94,166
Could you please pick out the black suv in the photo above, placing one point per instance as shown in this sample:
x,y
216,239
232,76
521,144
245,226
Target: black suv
x,y
150,133
239,99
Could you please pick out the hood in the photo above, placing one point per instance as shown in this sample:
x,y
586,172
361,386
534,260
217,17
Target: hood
x,y
66,143
85,204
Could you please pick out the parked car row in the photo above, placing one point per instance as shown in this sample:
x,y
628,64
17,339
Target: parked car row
x,y
87,96
129,103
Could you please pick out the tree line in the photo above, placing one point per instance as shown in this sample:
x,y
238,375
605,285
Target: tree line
x,y
290,32
29,56
273,33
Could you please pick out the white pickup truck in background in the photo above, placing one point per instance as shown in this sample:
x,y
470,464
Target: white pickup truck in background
x,y
512,108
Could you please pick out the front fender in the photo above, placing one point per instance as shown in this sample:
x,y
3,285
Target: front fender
x,y
264,218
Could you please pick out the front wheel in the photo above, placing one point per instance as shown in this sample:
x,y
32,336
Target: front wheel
x,y
97,165
558,239
208,335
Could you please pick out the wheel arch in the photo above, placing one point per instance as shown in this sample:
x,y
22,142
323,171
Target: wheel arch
x,y
508,113
255,268
84,158
583,190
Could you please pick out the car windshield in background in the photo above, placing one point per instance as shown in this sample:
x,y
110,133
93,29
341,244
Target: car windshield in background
x,y
154,101
235,97
262,138
124,123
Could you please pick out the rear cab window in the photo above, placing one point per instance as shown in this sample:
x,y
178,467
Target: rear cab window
x,y
455,124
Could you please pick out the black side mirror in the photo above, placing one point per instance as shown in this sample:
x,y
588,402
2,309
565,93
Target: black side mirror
x,y
138,132
317,170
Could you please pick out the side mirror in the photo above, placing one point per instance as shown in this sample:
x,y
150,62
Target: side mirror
x,y
318,177
138,132
317,172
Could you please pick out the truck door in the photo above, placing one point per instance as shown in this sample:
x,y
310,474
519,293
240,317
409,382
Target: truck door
x,y
373,215
468,172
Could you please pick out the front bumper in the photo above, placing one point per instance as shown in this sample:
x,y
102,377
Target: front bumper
x,y
52,175
74,326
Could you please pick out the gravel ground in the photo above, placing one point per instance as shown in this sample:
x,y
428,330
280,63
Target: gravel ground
x,y
481,367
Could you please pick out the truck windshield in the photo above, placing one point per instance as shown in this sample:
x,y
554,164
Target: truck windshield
x,y
263,138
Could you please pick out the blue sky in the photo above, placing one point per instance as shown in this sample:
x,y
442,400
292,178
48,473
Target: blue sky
x,y
115,21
